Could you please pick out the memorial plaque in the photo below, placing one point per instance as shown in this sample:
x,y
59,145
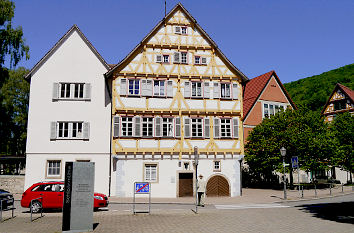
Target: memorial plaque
x,y
78,197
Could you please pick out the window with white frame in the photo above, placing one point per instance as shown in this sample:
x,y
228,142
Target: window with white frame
x,y
225,90
270,109
159,88
147,126
184,30
167,127
197,127
69,130
71,90
150,172
184,57
198,60
127,126
181,30
53,168
166,58
197,89
133,87
225,127
217,165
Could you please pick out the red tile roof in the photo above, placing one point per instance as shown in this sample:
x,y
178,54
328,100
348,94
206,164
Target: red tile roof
x,y
254,88
348,91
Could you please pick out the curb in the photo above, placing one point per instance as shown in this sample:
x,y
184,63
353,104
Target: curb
x,y
315,198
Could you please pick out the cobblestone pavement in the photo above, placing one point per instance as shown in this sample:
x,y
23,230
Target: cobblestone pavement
x,y
242,220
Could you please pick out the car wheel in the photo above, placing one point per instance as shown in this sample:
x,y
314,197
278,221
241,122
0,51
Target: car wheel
x,y
36,206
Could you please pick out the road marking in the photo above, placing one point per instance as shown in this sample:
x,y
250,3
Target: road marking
x,y
249,206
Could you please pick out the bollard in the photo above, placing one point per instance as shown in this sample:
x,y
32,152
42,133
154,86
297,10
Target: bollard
x,y
330,189
302,191
315,191
342,188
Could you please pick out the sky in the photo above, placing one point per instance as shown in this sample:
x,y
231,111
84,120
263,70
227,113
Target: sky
x,y
296,38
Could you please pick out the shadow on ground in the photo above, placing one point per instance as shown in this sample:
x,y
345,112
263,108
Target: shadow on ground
x,y
340,212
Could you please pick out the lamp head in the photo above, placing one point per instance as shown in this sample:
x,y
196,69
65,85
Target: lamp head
x,y
283,151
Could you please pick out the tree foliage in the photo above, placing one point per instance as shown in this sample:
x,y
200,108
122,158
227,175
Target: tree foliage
x,y
313,92
14,97
343,129
303,133
11,39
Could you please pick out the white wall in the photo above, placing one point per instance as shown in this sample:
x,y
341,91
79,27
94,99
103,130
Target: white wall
x,y
129,171
73,61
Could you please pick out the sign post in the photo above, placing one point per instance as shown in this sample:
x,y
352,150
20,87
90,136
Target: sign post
x,y
295,165
78,197
142,188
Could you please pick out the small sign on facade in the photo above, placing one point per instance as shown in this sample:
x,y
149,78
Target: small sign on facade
x,y
294,162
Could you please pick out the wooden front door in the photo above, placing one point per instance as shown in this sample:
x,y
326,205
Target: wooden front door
x,y
185,184
217,186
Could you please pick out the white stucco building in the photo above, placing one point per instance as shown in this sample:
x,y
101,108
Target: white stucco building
x,y
69,112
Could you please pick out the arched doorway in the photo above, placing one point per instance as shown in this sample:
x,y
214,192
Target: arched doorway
x,y
217,186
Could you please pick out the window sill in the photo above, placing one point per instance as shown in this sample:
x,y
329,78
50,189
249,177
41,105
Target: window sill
x,y
63,139
71,99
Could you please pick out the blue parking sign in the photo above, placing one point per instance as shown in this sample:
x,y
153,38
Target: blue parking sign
x,y
295,162
142,187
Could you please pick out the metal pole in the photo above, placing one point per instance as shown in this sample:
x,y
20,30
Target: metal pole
x,y
196,188
342,188
298,177
330,189
284,180
1,210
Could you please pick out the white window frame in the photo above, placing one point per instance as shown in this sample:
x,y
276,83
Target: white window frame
x,y
168,126
71,93
182,56
159,81
197,123
124,131
182,30
147,125
193,85
200,60
225,127
148,171
57,168
134,87
221,90
72,130
275,106
216,165
165,56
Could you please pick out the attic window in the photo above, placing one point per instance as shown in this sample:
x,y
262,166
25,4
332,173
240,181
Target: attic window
x,y
181,30
198,60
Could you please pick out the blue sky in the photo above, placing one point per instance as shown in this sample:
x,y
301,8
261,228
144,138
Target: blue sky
x,y
297,39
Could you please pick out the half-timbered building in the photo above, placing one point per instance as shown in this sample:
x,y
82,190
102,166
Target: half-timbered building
x,y
176,91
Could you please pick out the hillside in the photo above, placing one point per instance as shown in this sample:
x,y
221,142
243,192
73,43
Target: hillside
x,y
314,91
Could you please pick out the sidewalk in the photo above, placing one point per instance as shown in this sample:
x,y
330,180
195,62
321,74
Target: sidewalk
x,y
249,196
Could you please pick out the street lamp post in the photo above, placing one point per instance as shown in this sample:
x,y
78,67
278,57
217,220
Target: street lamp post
x,y
196,161
283,153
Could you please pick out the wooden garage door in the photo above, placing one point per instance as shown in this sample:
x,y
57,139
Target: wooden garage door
x,y
217,186
185,184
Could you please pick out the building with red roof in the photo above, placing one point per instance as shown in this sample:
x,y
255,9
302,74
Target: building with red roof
x,y
264,96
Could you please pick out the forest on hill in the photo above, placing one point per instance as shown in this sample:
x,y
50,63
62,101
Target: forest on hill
x,y
313,92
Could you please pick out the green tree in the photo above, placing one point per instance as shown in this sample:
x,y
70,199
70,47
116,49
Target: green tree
x,y
303,133
343,129
14,105
11,39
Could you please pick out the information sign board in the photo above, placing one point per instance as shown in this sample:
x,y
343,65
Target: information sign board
x,y
142,187
295,162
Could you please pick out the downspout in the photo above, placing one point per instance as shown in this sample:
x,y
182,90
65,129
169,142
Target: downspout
x,y
110,140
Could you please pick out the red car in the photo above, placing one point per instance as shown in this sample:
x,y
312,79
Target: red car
x,y
52,193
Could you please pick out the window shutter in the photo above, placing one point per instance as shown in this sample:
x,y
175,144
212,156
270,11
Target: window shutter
x,y
176,57
169,88
206,90
177,127
148,87
187,127
159,58
235,91
143,87
55,91
177,29
158,127
207,127
123,86
86,130
53,130
204,60
116,126
187,89
87,91
216,90
235,127
216,127
137,126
